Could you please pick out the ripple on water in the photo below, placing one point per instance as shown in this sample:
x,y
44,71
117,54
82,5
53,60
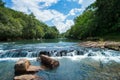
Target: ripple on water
x,y
90,64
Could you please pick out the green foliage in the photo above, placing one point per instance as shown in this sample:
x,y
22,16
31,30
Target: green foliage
x,y
52,33
3,18
99,19
17,25
1,3
82,27
108,15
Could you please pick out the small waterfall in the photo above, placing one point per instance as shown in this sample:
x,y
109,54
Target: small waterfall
x,y
29,54
57,52
53,49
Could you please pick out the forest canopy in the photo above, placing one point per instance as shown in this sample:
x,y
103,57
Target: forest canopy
x,y
17,25
100,19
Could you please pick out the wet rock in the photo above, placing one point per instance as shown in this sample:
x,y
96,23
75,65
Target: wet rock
x,y
23,66
34,55
91,54
27,77
71,53
33,69
63,53
44,53
16,53
80,52
49,62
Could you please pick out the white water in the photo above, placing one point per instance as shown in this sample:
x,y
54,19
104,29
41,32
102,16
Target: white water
x,y
75,62
58,52
13,51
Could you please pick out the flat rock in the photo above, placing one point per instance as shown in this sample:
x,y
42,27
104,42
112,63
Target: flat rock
x,y
102,44
27,77
34,68
112,45
94,44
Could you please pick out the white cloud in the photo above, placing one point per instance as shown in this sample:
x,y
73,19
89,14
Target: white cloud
x,y
42,14
39,9
74,11
63,26
79,1
26,5
86,3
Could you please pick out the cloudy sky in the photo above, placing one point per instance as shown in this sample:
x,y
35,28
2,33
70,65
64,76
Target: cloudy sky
x,y
60,13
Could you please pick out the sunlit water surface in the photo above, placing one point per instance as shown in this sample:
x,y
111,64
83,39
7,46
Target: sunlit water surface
x,y
76,62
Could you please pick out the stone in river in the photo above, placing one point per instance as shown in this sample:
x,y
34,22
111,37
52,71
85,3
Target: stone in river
x,y
44,53
27,77
33,69
49,62
23,66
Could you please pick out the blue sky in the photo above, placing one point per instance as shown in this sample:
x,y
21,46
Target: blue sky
x,y
59,13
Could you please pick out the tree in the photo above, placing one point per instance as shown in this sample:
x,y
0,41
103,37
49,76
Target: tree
x,y
2,3
39,32
17,25
110,15
51,33
99,19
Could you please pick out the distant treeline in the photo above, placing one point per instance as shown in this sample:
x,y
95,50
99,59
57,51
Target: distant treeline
x,y
100,19
16,25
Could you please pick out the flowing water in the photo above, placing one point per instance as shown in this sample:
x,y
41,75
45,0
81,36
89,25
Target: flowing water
x,y
76,62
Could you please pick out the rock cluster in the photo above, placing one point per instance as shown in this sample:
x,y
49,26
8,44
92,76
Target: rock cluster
x,y
102,44
112,45
24,66
25,71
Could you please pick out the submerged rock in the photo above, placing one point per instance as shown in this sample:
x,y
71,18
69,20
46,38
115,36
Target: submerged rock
x,y
49,62
63,53
27,77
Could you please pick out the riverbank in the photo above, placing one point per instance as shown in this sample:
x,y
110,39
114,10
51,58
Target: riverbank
x,y
102,44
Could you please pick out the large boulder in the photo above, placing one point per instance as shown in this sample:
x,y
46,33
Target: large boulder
x,y
23,66
27,77
49,62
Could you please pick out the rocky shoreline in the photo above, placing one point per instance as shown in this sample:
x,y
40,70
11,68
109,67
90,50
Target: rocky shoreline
x,y
102,44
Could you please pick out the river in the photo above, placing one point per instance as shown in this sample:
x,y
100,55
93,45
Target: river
x,y
76,62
